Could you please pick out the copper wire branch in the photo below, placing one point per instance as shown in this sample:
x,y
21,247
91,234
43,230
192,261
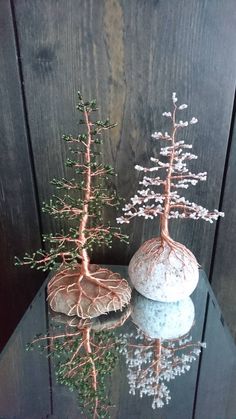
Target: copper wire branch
x,y
85,216
89,350
166,202
152,361
164,224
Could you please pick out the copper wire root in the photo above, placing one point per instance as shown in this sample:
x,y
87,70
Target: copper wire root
x,y
155,248
87,296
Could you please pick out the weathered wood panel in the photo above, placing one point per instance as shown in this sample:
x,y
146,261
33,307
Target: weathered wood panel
x,y
131,56
224,271
19,229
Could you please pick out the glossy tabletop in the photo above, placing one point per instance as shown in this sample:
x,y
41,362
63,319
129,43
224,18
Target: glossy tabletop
x,y
143,358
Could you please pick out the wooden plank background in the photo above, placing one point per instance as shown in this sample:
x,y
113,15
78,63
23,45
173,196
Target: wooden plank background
x,y
224,272
130,55
19,227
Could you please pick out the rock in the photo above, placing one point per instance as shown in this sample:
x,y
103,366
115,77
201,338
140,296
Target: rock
x,y
87,296
164,271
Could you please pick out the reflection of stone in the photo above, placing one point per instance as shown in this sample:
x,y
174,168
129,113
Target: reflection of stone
x,y
164,271
107,321
162,320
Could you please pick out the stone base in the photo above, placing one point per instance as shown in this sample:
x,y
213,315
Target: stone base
x,y
73,294
164,271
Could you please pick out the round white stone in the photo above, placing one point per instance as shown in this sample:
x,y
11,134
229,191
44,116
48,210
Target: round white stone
x,y
163,274
162,320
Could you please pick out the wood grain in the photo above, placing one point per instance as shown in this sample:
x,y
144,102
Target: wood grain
x,y
224,271
131,56
19,228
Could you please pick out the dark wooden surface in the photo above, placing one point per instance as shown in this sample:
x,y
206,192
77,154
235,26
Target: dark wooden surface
x,y
28,389
130,55
19,227
224,274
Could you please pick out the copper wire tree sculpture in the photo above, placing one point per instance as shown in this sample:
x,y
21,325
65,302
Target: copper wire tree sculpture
x,y
152,363
84,352
79,287
161,259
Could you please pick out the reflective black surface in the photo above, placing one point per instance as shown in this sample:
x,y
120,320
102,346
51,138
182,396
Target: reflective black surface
x,y
107,364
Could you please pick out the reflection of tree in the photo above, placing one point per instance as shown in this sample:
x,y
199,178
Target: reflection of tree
x,y
152,362
85,354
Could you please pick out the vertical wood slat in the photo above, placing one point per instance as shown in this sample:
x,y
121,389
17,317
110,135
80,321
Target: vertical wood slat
x,y
19,229
224,272
131,56
107,48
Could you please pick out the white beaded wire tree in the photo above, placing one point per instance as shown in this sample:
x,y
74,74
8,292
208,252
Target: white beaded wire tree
x,y
162,268
174,174
160,196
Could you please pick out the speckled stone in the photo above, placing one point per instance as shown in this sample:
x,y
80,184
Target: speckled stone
x,y
163,274
162,320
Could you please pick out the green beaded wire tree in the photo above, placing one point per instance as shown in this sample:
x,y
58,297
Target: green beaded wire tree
x,y
79,287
